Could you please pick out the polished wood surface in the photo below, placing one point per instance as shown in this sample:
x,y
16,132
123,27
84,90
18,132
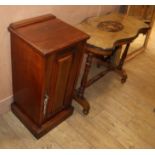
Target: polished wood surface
x,y
46,58
28,78
47,33
108,40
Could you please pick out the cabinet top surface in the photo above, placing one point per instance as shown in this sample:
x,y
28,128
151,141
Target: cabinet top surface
x,y
47,33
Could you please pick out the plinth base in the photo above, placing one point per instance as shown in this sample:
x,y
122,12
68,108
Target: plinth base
x,y
38,132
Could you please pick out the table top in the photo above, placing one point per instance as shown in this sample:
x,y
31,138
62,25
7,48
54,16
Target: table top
x,y
109,30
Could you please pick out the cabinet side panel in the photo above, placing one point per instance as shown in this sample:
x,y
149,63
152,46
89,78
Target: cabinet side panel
x,y
28,78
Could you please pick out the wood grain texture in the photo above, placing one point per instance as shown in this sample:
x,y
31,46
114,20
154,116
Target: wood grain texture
x,y
63,68
108,40
47,33
28,78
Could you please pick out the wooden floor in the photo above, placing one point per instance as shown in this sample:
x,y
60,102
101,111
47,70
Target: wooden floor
x,y
121,116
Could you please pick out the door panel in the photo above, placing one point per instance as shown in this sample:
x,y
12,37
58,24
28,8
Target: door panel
x,y
62,74
64,66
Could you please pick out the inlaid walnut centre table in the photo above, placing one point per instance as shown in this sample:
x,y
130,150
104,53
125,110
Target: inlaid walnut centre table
x,y
108,34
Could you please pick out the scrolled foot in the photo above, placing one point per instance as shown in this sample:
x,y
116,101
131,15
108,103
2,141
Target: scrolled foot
x,y
83,102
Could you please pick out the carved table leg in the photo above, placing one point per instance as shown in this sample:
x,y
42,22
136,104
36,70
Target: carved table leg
x,y
119,68
79,94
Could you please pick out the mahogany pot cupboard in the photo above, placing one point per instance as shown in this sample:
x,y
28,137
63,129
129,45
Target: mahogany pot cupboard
x,y
46,58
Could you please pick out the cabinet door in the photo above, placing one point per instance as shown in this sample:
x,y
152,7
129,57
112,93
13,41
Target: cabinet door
x,y
64,71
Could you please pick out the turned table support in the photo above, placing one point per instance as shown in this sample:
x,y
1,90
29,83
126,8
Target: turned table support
x,y
119,68
79,94
123,56
85,75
